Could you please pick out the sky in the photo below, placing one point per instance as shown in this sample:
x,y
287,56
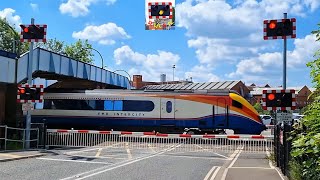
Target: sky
x,y
214,40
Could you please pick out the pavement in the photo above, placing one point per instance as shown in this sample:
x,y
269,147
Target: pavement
x,y
17,155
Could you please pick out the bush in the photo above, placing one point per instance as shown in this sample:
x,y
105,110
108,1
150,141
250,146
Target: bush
x,y
305,162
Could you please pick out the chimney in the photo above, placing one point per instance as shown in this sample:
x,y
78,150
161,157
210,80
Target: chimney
x,y
137,81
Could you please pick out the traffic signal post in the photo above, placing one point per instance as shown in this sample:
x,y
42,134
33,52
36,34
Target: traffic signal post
x,y
31,33
280,29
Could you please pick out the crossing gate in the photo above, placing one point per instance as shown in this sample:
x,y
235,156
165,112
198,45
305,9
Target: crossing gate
x,y
157,142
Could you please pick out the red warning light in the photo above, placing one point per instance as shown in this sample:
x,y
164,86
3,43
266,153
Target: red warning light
x,y
271,97
272,25
26,30
22,91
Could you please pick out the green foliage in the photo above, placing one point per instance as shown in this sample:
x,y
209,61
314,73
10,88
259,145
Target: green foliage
x,y
259,109
81,51
53,45
305,152
10,38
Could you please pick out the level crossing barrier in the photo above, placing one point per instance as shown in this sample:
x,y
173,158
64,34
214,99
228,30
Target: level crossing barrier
x,y
158,141
14,138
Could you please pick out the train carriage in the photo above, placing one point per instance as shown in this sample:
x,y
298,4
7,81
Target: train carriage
x,y
147,111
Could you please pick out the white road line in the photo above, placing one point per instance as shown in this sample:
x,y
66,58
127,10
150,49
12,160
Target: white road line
x,y
73,152
97,171
209,173
98,153
268,154
215,173
270,164
233,156
128,151
221,155
76,161
192,157
152,148
250,168
235,159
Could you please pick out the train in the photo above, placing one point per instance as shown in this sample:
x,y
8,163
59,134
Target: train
x,y
138,110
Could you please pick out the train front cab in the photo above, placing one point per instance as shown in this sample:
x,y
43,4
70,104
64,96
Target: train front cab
x,y
242,117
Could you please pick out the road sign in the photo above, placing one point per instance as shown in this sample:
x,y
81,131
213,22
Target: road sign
x,y
284,117
27,107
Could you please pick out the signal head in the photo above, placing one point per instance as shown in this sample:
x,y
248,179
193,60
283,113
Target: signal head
x,y
273,25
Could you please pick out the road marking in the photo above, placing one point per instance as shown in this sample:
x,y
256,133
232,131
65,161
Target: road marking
x,y
268,154
152,148
270,164
76,161
97,171
209,173
215,173
233,156
86,150
128,151
221,155
235,159
98,153
250,168
194,157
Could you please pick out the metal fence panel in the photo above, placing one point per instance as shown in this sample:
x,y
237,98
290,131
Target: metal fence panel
x,y
157,142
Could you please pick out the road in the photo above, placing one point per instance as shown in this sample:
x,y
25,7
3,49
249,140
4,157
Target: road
x,y
123,161
113,163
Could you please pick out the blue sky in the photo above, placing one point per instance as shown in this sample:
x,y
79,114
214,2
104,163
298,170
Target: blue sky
x,y
213,40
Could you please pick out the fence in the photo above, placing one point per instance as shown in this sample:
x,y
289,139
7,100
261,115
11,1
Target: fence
x,y
282,146
150,140
14,138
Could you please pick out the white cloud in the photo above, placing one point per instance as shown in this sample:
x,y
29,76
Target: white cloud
x,y
8,14
78,8
75,7
104,34
267,66
148,65
228,32
202,73
35,7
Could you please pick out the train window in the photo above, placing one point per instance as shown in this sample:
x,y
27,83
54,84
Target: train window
x,y
99,105
108,105
236,104
133,105
169,107
117,105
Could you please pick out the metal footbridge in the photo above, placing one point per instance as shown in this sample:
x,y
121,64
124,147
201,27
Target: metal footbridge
x,y
64,70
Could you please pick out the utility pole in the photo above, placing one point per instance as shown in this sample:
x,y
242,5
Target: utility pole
x,y
28,120
285,58
174,66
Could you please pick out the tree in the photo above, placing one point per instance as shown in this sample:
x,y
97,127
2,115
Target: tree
x,y
81,51
53,45
10,39
305,163
258,107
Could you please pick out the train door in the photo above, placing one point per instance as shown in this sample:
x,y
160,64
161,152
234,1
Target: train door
x,y
167,108
221,116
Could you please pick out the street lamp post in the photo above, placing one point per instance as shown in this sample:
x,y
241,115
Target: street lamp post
x,y
99,55
126,73
173,67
